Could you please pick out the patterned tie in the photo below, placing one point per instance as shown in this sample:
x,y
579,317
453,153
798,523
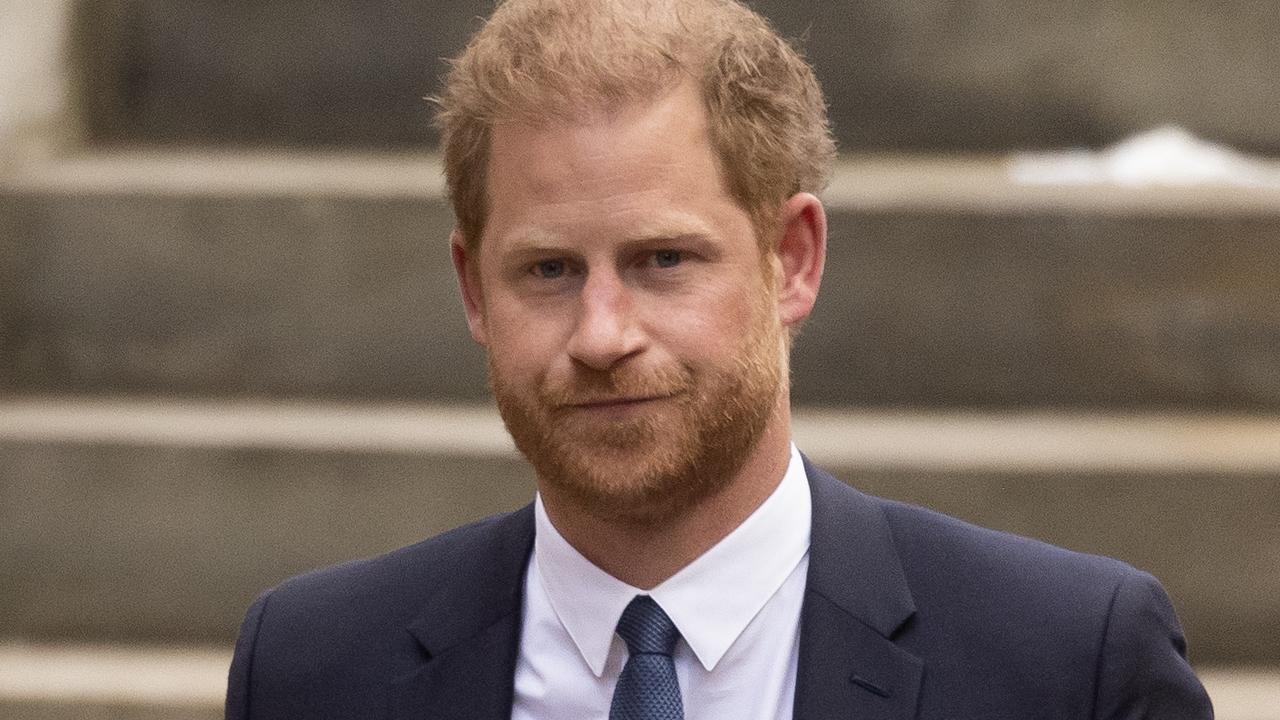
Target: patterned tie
x,y
647,688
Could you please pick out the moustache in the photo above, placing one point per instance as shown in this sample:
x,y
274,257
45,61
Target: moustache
x,y
589,386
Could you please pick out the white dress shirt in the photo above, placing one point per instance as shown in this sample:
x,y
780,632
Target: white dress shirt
x,y
737,607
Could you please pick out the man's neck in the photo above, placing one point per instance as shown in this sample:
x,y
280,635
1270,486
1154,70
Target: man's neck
x,y
645,554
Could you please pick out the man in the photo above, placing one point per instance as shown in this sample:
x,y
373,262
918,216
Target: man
x,y
638,240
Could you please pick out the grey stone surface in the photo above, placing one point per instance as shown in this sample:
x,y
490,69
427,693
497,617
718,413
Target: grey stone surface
x,y
943,76
145,543
1210,539
327,73
1007,309
322,297
901,75
235,297
171,544
14,235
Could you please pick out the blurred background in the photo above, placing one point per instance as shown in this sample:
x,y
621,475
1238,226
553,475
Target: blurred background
x,y
231,351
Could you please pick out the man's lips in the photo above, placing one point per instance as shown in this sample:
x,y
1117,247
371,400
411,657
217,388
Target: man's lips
x,y
605,403
613,402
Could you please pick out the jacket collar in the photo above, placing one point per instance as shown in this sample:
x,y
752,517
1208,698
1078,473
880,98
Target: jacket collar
x,y
856,601
469,628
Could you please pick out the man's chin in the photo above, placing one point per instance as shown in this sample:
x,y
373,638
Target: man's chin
x,y
650,482
618,488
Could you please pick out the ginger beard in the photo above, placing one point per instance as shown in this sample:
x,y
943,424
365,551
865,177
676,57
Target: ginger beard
x,y
678,452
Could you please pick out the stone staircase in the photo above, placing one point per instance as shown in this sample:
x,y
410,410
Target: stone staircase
x,y
226,274
231,349
900,75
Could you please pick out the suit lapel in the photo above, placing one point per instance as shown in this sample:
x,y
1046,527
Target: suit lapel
x,y
469,630
856,600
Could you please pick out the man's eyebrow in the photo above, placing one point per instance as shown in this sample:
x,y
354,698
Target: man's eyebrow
x,y
533,240
529,241
680,227
658,238
701,244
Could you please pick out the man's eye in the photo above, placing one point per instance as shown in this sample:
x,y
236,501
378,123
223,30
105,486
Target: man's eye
x,y
549,269
667,258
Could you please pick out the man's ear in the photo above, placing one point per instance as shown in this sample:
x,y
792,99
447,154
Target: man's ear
x,y
467,265
802,254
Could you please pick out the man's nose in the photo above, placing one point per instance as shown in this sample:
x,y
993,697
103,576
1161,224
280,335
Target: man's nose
x,y
606,330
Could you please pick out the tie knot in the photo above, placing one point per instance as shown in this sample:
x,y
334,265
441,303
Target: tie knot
x,y
646,628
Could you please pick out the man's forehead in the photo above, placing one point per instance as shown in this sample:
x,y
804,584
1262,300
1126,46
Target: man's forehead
x,y
680,101
652,165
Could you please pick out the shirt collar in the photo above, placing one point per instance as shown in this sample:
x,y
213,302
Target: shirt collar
x,y
711,600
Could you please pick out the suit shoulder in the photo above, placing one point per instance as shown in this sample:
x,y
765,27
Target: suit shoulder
x,y
932,539
410,572
337,637
1086,629
959,569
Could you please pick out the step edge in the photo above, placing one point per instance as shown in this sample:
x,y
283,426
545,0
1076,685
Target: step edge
x,y
858,439
860,183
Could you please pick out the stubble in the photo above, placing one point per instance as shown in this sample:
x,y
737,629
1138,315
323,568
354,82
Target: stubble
x,y
683,448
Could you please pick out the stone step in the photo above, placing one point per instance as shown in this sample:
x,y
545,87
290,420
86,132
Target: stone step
x,y
930,75
74,682
160,520
111,682
948,285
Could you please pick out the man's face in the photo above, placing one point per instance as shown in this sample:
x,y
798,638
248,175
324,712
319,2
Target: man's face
x,y
635,348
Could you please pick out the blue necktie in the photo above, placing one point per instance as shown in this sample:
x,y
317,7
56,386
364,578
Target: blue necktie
x,y
647,688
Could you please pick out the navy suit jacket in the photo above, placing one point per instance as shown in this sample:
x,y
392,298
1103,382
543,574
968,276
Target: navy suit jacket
x,y
907,614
